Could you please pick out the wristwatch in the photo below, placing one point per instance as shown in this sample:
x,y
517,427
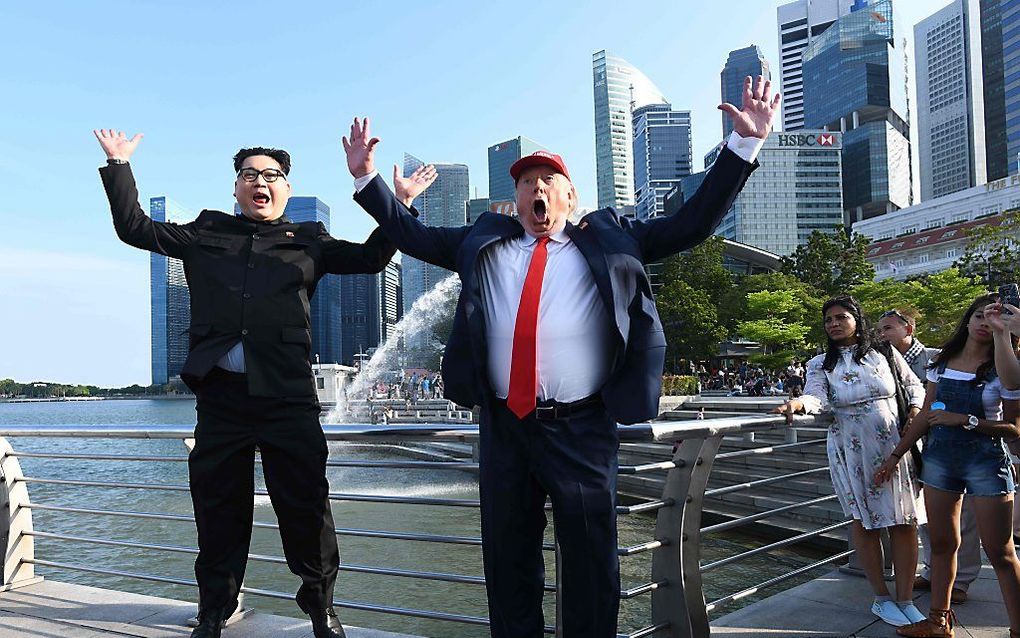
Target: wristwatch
x,y
116,162
972,422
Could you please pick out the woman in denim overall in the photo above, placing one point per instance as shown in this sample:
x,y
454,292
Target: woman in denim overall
x,y
966,416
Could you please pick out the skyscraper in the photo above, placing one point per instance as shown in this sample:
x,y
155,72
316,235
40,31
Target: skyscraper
x,y
799,23
475,207
768,213
950,100
325,306
662,155
359,315
740,64
501,157
1010,10
390,304
996,162
619,88
170,301
855,82
443,204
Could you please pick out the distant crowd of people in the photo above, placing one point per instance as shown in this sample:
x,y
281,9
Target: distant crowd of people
x,y
752,380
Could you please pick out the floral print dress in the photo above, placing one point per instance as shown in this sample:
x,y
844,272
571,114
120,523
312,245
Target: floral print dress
x,y
862,398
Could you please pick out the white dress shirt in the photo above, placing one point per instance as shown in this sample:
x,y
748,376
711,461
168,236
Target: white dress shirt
x,y
575,333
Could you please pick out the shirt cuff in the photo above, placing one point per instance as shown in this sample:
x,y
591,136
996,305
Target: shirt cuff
x,y
746,148
362,182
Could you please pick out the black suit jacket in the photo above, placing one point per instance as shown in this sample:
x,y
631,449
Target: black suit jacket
x,y
616,249
249,281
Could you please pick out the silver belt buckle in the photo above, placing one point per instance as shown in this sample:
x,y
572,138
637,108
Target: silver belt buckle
x,y
545,413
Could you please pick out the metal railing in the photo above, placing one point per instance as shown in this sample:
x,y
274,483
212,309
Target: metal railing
x,y
678,606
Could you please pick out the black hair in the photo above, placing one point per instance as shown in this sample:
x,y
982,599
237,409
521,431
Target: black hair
x,y
282,157
956,342
865,340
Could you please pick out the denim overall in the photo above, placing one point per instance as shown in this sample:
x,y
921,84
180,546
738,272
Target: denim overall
x,y
960,460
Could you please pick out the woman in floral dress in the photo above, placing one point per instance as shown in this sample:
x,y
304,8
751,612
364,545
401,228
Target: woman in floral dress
x,y
854,380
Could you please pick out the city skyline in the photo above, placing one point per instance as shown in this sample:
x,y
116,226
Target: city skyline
x,y
195,98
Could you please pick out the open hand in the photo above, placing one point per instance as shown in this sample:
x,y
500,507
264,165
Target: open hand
x,y
788,408
360,149
886,470
754,119
407,188
116,144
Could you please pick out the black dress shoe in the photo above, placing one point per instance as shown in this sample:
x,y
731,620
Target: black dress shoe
x,y
325,624
210,623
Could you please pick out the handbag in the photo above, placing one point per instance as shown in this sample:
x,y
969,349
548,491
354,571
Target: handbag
x,y
903,407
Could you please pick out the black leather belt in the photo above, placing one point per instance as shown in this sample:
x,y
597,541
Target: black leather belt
x,y
551,410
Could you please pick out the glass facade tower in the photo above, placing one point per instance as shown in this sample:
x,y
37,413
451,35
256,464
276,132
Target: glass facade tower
x,y
619,89
799,23
170,313
325,303
740,64
501,157
855,82
662,155
1010,13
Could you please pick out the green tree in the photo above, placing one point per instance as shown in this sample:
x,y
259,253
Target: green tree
x,y
775,319
701,268
990,256
691,322
833,263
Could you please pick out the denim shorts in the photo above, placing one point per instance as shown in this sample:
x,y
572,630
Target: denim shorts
x,y
978,466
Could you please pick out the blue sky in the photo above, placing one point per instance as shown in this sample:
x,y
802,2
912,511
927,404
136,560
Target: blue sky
x,y
440,80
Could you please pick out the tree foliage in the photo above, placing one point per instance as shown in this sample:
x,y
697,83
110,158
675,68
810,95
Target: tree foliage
x,y
832,263
990,256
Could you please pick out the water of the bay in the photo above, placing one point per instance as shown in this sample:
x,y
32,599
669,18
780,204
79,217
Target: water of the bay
x,y
366,588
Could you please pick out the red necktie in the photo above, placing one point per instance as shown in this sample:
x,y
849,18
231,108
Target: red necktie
x,y
523,372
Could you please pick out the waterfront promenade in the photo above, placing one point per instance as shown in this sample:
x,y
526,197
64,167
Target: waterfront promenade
x,y
833,605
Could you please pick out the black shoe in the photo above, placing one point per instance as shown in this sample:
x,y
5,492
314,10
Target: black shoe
x,y
325,624
210,623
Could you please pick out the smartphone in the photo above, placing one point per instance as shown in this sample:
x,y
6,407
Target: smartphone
x,y
1009,293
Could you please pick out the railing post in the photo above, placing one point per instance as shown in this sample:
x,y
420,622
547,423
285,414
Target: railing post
x,y
559,590
15,522
670,562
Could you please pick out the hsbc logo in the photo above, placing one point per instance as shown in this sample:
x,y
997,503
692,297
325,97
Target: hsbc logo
x,y
800,139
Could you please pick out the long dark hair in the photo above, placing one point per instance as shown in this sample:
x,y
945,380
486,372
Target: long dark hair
x,y
954,345
865,341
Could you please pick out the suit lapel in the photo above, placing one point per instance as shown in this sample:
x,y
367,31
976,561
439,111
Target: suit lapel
x,y
596,258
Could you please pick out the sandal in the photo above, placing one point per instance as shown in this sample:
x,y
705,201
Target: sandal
x,y
938,624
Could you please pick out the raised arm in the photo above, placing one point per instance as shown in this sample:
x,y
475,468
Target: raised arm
x,y
435,245
1006,364
340,256
133,226
699,216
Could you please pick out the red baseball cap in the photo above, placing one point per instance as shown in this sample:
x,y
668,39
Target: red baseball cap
x,y
539,158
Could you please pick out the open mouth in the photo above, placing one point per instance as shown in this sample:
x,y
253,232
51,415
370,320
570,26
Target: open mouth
x,y
260,198
538,211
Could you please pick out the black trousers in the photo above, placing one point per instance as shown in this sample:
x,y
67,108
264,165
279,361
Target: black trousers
x,y
573,461
231,423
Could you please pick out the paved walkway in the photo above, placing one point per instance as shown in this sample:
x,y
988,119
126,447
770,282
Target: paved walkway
x,y
840,605
52,609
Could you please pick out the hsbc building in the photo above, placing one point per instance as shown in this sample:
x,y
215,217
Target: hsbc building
x,y
797,189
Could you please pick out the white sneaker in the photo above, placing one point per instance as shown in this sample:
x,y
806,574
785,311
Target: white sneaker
x,y
912,613
890,613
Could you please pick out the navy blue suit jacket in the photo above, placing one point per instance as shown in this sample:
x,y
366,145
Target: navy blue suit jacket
x,y
616,249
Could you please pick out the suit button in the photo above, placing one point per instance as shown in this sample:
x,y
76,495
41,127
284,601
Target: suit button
x,y
244,331
247,295
251,265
